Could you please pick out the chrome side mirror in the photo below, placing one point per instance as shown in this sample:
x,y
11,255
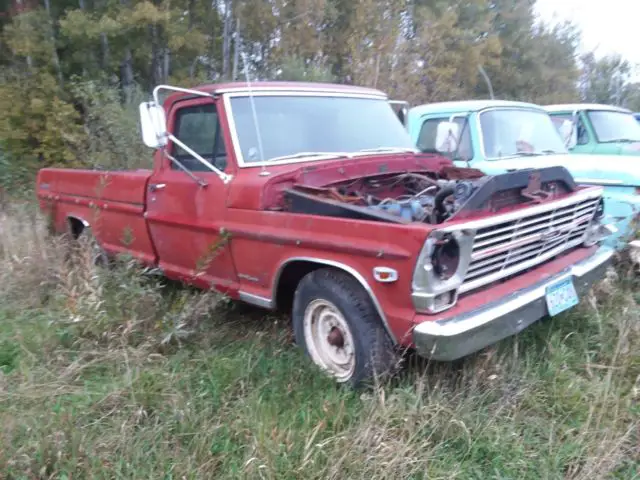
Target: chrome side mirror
x,y
153,124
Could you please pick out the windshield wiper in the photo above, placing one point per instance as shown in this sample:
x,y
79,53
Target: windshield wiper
x,y
621,140
537,154
309,154
388,149
530,154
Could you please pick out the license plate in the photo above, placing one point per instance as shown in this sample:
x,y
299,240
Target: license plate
x,y
561,296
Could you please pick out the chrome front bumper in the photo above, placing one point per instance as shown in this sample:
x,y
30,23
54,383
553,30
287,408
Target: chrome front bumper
x,y
459,336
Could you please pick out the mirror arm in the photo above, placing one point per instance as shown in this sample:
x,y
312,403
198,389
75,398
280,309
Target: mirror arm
x,y
223,176
178,89
199,181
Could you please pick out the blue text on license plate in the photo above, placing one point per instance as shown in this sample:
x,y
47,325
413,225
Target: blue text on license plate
x,y
561,296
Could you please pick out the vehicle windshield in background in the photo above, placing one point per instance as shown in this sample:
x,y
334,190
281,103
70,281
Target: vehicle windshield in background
x,y
513,132
306,126
614,126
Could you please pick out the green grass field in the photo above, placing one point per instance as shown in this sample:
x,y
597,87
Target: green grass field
x,y
117,374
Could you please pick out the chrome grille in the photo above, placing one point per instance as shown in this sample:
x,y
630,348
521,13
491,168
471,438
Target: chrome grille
x,y
508,247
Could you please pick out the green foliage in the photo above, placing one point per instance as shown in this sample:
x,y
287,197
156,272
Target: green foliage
x,y
38,121
607,80
295,69
112,139
16,177
72,72
9,356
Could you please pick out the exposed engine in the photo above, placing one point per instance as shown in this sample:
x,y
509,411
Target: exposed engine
x,y
416,197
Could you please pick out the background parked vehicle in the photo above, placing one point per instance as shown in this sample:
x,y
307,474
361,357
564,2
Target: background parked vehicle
x,y
500,136
597,129
370,244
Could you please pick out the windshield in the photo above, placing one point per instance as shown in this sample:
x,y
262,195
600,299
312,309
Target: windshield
x,y
515,132
614,126
304,126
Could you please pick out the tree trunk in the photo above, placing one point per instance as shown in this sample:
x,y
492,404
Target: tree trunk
x,y
52,35
377,72
154,74
126,73
104,42
166,64
126,67
236,50
192,4
226,40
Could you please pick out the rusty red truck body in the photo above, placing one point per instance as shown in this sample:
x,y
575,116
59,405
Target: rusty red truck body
x,y
312,198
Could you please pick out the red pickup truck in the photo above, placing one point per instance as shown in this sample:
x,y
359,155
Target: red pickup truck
x,y
312,198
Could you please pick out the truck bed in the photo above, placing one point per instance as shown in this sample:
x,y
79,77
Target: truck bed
x,y
112,199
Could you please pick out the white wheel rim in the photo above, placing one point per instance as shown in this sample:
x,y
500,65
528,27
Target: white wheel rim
x,y
329,340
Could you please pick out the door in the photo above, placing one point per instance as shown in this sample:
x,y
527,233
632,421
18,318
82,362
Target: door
x,y
185,218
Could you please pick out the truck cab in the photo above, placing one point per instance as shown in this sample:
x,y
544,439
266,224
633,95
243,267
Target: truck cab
x,y
312,199
498,136
597,129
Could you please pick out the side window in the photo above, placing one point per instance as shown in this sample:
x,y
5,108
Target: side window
x,y
558,119
583,135
427,137
198,128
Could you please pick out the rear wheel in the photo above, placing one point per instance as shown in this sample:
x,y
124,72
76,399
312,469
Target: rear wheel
x,y
87,244
336,324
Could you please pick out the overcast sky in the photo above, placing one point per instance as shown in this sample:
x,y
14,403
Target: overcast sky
x,y
608,26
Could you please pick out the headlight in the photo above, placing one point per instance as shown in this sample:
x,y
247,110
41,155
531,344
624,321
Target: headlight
x,y
440,270
446,257
599,214
597,229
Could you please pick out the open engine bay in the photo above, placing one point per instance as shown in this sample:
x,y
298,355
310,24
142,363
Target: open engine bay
x,y
422,197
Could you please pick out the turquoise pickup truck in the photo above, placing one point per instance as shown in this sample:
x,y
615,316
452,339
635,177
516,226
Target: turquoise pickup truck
x,y
498,136
598,129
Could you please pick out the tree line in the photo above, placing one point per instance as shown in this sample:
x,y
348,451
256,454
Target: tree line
x,y
72,71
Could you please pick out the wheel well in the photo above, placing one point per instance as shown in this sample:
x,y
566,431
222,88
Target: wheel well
x,y
76,226
288,280
291,274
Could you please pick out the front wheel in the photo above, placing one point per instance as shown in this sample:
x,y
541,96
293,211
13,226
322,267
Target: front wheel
x,y
339,329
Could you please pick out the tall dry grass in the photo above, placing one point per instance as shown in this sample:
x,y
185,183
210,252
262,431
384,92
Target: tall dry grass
x,y
124,302
114,373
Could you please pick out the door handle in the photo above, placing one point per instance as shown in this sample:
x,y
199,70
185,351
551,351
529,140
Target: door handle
x,y
154,187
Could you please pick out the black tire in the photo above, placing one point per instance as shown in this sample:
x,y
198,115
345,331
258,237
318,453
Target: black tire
x,y
375,356
87,240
